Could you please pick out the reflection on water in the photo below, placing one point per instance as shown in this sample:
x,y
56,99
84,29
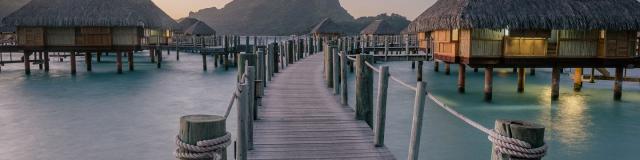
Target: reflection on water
x,y
567,120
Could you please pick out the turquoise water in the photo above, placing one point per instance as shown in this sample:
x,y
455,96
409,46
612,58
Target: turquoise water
x,y
102,115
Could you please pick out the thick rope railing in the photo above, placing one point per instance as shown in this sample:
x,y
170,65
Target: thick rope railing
x,y
402,83
372,67
203,149
503,144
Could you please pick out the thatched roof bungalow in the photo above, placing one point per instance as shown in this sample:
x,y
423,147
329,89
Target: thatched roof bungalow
x,y
379,27
91,25
327,28
531,33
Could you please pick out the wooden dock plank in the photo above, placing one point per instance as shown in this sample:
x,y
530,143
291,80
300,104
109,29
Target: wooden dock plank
x,y
301,119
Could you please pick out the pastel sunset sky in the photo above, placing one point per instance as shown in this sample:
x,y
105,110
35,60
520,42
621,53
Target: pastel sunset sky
x,y
358,8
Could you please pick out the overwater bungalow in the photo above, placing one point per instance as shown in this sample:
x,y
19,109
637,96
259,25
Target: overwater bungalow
x,y
376,30
193,31
542,33
327,29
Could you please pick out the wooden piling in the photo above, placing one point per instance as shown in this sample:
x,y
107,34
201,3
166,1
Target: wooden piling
x,y
194,128
447,69
419,72
27,63
253,107
336,71
532,71
119,62
159,56
488,84
73,63
364,89
416,123
215,61
555,83
243,122
381,106
462,69
87,61
521,80
577,79
475,69
46,61
40,65
152,55
130,60
204,62
245,59
592,77
524,131
99,57
436,66
617,86
329,68
343,79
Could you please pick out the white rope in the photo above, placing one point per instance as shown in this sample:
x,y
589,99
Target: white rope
x,y
503,145
402,83
203,149
233,99
372,67
352,59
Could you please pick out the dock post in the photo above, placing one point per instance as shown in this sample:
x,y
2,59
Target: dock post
x,y
119,62
329,65
194,128
475,69
413,64
253,107
204,62
419,72
488,84
87,61
130,60
462,69
416,123
152,55
343,79
73,63
159,56
592,78
46,61
225,60
99,57
521,80
577,80
261,67
243,122
524,131
532,71
40,65
364,89
215,61
555,83
27,63
381,106
617,86
245,59
436,66
336,71
447,69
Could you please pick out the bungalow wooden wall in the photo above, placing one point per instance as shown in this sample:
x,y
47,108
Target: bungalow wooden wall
x,y
620,43
423,40
94,36
31,36
526,43
485,42
60,36
578,44
125,36
444,44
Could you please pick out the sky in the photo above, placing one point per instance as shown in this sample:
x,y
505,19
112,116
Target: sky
x,y
358,8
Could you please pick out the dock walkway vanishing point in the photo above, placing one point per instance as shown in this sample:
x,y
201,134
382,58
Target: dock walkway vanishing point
x,y
301,119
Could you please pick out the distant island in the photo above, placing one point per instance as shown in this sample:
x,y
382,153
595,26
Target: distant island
x,y
286,17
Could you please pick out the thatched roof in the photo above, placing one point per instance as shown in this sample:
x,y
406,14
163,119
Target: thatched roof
x,y
7,29
379,27
184,23
327,26
530,14
200,28
103,13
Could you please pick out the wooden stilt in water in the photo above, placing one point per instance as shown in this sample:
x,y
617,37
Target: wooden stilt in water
x,y
521,81
99,57
152,55
159,58
413,64
41,58
194,128
475,69
119,62
436,66
87,61
215,61
488,84
577,80
419,72
617,86
524,131
73,63
225,60
593,74
462,69
532,71
130,60
447,69
204,62
46,61
555,83
27,63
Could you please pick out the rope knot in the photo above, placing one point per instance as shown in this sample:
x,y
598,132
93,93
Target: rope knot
x,y
203,149
515,147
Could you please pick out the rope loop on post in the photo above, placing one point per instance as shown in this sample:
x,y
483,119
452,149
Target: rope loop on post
x,y
203,149
515,147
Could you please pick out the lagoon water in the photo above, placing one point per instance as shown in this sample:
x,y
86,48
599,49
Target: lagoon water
x,y
102,115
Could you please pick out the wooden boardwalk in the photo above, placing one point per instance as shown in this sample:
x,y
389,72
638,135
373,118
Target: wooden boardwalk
x,y
301,119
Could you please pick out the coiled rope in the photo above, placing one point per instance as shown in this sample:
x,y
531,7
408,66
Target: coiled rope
x,y
203,149
502,144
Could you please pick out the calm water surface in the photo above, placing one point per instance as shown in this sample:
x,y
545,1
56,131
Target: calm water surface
x,y
101,115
